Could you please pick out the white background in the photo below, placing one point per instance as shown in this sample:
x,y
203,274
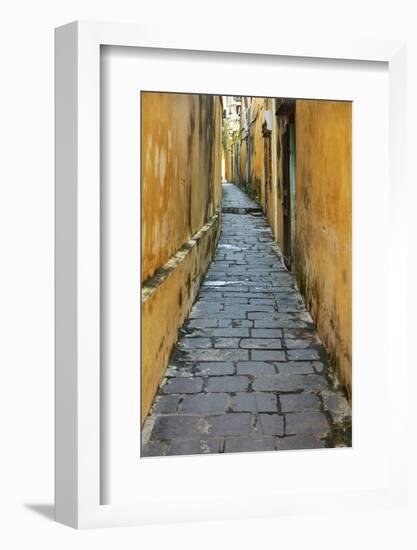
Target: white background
x,y
26,301
272,476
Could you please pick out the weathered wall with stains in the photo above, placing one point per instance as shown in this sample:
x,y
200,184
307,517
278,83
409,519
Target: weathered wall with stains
x,y
242,167
257,150
270,194
180,169
166,303
324,222
276,217
181,193
227,164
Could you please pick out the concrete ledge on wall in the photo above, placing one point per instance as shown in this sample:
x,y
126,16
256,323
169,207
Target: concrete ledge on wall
x,y
167,298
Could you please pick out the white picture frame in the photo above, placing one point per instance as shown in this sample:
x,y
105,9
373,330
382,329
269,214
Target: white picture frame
x,y
78,427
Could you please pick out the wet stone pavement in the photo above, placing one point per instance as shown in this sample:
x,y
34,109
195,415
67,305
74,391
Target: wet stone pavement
x,y
249,372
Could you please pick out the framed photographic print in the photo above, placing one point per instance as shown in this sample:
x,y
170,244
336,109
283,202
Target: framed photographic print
x,y
221,254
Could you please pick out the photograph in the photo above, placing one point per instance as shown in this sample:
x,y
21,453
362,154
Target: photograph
x,y
246,274
209,265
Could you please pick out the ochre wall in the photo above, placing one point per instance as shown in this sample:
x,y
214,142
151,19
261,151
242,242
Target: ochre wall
x,y
324,222
276,218
242,167
181,195
257,149
269,203
181,171
166,307
228,164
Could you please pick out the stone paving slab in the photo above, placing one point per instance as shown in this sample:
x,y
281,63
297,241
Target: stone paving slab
x,y
235,199
249,372
204,404
299,442
245,444
238,424
306,422
193,446
300,402
254,402
272,424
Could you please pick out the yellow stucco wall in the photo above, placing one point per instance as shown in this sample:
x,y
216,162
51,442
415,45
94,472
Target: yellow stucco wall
x,y
166,307
269,202
242,167
227,164
181,195
257,150
276,217
181,167
324,222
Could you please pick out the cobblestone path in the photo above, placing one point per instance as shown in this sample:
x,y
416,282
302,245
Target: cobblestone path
x,y
249,372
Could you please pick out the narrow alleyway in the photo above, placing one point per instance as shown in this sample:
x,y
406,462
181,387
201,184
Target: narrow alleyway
x,y
249,372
